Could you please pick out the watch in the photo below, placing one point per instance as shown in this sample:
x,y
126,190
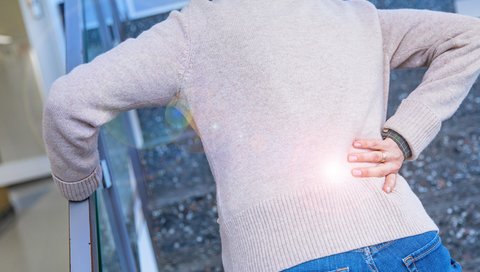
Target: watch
x,y
401,142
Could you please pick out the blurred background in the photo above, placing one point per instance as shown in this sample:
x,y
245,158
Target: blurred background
x,y
156,209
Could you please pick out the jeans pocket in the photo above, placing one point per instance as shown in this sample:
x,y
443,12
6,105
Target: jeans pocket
x,y
432,256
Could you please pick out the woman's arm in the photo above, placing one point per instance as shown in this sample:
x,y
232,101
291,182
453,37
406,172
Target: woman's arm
x,y
143,72
449,45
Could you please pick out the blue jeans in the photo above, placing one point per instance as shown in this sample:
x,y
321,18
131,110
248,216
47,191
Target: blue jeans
x,y
419,253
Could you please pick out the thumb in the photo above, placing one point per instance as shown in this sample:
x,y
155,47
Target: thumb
x,y
390,182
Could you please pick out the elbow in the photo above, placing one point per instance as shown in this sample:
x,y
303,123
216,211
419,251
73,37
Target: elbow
x,y
55,108
53,116
58,119
52,106
57,93
70,146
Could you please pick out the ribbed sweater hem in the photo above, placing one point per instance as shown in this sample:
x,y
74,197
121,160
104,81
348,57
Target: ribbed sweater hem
x,y
82,189
319,221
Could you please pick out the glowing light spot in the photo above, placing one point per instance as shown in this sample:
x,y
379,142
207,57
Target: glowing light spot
x,y
334,170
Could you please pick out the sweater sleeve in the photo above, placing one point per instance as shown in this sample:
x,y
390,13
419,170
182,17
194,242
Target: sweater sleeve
x,y
146,71
448,44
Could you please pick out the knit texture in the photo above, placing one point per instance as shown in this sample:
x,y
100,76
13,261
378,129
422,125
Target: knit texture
x,y
278,93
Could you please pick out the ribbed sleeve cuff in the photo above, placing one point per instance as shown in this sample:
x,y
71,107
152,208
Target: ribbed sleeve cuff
x,y
417,123
82,189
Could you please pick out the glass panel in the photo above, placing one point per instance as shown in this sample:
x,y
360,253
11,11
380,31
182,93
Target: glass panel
x,y
177,189
116,147
180,189
107,255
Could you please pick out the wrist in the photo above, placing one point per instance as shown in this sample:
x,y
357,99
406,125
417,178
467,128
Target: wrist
x,y
397,138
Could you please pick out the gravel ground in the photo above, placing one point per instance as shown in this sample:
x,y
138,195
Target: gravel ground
x,y
181,190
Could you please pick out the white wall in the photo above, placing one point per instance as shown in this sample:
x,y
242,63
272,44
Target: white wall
x,y
28,68
46,38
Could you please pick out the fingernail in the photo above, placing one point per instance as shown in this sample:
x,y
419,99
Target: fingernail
x,y
352,157
356,144
357,172
388,189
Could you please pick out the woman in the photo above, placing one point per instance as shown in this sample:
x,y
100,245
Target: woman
x,y
279,93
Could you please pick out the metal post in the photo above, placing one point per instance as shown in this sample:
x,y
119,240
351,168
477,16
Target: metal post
x,y
118,33
105,36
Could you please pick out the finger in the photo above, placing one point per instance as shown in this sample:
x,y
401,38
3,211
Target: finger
x,y
390,182
380,170
374,156
369,143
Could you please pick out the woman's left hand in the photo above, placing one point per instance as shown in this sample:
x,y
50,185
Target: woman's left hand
x,y
389,168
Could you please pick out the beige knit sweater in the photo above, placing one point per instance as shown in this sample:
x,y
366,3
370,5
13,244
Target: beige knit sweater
x,y
278,92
